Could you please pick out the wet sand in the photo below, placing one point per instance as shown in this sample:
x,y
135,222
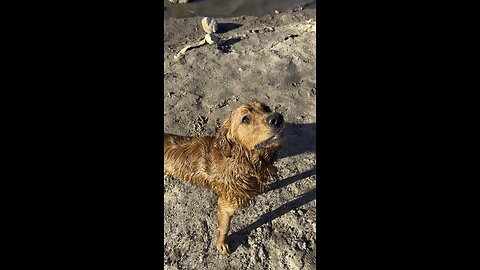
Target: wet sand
x,y
233,8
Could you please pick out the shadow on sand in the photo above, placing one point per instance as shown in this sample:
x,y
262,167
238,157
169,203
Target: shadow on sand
x,y
225,47
225,27
290,180
299,139
240,237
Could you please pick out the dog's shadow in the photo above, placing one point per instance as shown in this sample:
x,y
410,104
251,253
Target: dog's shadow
x,y
299,139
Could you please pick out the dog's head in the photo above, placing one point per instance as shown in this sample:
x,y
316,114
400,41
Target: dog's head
x,y
253,126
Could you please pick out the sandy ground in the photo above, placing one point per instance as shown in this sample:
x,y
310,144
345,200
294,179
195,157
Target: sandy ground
x,y
271,59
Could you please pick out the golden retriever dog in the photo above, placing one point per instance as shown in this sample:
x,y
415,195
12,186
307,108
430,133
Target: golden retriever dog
x,y
237,163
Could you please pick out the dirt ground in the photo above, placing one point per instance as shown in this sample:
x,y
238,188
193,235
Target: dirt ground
x,y
271,59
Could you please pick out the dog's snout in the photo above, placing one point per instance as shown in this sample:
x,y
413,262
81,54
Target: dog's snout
x,y
275,120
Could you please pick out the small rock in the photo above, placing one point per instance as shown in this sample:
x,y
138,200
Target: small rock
x,y
209,25
300,8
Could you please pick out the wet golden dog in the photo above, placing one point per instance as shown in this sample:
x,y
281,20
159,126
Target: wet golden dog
x,y
236,163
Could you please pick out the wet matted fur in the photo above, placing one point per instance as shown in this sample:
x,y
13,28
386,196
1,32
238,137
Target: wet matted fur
x,y
236,163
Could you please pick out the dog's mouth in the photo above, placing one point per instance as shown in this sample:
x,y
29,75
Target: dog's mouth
x,y
277,138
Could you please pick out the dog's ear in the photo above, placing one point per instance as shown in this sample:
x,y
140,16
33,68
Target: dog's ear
x,y
223,141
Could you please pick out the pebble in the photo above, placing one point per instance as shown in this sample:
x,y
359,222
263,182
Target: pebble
x,y
209,25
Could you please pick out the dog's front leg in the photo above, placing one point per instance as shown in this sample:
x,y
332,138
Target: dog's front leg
x,y
225,213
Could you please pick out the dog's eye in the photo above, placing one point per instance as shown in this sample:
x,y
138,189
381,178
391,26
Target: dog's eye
x,y
267,109
246,119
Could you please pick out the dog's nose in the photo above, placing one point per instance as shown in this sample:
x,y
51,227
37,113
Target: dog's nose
x,y
275,120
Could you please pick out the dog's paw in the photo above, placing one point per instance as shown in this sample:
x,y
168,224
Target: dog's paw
x,y
223,248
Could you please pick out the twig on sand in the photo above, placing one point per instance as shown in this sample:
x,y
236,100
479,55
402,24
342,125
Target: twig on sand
x,y
210,26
